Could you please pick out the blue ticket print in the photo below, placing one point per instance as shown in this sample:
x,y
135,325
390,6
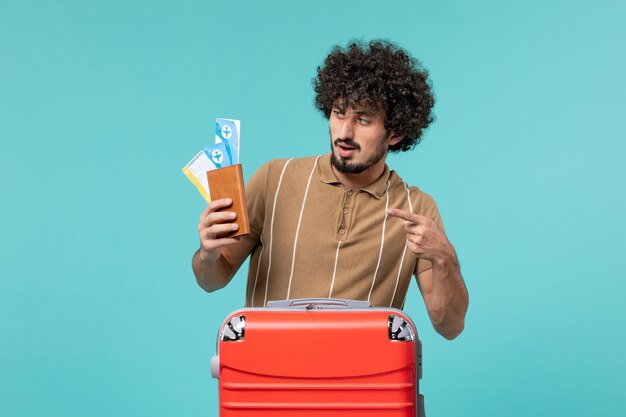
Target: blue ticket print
x,y
218,155
223,153
227,132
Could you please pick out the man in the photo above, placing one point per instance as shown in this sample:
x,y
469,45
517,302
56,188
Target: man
x,y
343,225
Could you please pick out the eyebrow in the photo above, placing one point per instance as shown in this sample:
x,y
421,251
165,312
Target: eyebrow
x,y
360,112
368,113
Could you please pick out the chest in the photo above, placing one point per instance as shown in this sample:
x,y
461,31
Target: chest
x,y
326,215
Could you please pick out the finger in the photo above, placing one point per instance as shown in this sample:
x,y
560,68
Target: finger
x,y
218,230
407,215
220,204
212,236
214,206
416,239
227,241
415,229
218,217
205,212
414,247
209,238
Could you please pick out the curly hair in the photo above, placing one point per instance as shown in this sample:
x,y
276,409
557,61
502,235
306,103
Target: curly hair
x,y
379,75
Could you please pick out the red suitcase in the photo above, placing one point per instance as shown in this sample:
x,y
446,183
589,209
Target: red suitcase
x,y
312,357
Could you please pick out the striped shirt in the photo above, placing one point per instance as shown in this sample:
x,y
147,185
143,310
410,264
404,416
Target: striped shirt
x,y
317,238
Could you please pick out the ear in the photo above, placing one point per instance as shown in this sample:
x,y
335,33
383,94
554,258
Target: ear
x,y
395,139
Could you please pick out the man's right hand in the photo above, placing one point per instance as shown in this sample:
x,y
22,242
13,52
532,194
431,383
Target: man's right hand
x,y
214,225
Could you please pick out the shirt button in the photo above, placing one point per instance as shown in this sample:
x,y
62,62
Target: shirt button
x,y
342,231
345,211
349,192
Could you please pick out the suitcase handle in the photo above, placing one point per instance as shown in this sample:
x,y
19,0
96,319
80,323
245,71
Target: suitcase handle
x,y
318,303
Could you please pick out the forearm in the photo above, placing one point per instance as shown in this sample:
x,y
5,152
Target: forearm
x,y
211,274
448,300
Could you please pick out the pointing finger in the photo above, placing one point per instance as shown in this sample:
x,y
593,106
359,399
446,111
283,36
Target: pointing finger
x,y
408,216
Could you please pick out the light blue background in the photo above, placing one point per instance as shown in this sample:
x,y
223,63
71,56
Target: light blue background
x,y
102,103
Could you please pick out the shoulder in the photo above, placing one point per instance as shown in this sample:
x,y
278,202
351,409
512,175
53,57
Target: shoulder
x,y
422,202
274,169
281,171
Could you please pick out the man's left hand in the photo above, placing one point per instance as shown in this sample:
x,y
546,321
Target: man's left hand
x,y
424,237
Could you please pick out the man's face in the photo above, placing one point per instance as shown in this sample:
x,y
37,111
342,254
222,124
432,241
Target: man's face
x,y
358,138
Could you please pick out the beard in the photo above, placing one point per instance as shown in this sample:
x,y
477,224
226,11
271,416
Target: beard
x,y
346,165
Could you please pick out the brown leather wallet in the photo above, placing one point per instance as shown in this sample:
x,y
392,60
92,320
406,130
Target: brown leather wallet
x,y
227,182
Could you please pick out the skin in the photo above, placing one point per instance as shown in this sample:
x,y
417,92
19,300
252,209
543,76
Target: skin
x,y
361,132
218,258
359,143
442,287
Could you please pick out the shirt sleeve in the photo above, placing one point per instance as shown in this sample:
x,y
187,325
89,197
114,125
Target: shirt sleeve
x,y
256,195
427,207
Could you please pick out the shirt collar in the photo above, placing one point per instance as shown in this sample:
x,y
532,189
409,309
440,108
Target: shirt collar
x,y
327,176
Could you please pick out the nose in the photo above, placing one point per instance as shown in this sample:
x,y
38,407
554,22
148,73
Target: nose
x,y
346,131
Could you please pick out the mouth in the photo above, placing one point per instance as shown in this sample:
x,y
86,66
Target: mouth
x,y
344,149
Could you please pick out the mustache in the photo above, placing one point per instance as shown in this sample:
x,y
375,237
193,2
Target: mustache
x,y
347,142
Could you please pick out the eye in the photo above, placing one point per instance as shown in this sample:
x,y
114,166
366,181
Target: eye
x,y
339,114
362,121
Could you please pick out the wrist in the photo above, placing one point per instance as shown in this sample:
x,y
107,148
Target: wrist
x,y
446,258
209,255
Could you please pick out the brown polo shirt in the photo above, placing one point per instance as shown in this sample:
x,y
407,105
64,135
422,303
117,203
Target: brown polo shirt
x,y
318,238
